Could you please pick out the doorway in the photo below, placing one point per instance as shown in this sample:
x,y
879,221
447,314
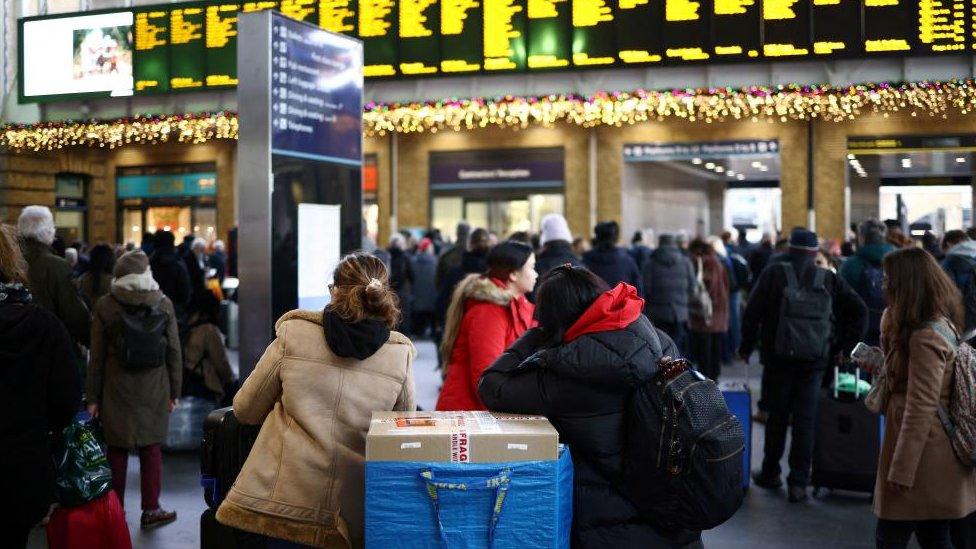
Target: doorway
x,y
502,216
143,217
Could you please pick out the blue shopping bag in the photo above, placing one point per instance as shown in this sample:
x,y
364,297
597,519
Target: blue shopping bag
x,y
516,505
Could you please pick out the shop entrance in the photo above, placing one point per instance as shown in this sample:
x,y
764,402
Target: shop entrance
x,y
500,216
700,189
922,183
180,199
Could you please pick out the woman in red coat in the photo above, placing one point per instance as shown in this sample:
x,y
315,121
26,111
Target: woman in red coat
x,y
487,314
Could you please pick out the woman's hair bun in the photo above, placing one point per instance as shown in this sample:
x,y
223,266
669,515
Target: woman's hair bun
x,y
361,290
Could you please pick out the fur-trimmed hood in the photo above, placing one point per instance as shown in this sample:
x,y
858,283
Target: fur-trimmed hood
x,y
474,287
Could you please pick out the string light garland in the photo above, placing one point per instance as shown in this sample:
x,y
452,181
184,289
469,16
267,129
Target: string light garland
x,y
186,128
779,103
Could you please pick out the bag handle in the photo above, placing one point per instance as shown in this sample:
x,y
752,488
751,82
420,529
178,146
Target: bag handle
x,y
500,483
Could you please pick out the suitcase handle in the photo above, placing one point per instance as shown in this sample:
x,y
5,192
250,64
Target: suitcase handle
x,y
500,483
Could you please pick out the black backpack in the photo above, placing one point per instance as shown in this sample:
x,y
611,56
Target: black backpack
x,y
682,463
967,287
141,341
874,297
805,328
741,272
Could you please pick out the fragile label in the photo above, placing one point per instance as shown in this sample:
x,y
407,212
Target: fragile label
x,y
409,445
459,447
522,447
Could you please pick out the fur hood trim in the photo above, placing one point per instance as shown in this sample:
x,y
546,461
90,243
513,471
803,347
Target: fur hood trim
x,y
472,287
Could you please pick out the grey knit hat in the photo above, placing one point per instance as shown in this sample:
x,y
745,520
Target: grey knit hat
x,y
134,262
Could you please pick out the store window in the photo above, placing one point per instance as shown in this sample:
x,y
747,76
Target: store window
x,y
180,199
71,206
504,191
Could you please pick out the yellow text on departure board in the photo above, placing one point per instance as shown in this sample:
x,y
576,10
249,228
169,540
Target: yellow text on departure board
x,y
150,30
182,31
774,10
499,31
681,10
733,7
942,24
827,48
783,50
687,54
886,44
631,4
638,56
297,9
259,5
590,13
414,22
453,15
337,16
374,18
544,9
221,24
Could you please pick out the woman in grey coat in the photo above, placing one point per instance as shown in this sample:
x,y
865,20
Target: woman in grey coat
x,y
131,395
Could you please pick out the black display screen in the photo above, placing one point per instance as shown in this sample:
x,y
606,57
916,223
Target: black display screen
x,y
836,27
736,26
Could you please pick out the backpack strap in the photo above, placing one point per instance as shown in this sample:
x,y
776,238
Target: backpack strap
x,y
944,329
818,278
791,281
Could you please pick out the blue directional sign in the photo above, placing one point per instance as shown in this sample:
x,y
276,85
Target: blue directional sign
x,y
316,93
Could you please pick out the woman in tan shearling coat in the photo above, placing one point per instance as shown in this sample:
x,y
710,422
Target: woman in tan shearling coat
x,y
921,484
315,390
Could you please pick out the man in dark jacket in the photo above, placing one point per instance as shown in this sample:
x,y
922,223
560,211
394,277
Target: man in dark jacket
x,y
864,273
960,264
169,270
669,278
401,278
473,260
638,251
197,265
424,292
791,387
759,255
451,258
557,245
609,262
49,276
584,386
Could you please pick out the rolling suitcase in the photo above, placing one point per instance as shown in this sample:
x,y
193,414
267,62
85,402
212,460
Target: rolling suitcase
x,y
847,443
738,398
226,444
214,535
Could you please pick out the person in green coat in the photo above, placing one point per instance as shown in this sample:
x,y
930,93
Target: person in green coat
x,y
134,404
49,276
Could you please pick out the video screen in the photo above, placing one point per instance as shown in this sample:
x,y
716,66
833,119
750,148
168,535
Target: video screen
x,y
89,54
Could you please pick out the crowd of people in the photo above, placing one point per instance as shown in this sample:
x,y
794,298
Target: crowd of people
x,y
125,331
543,324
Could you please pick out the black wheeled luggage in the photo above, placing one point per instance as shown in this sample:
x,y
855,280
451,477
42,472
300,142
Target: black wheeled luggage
x,y
847,444
214,535
226,444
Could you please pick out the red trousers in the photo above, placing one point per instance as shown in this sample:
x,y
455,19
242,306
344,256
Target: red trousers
x,y
150,471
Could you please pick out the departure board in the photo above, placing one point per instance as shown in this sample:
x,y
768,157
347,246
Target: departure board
x,y
462,47
338,16
550,34
736,26
685,35
594,34
150,72
187,48
786,28
376,30
504,35
419,33
221,43
634,43
836,27
192,45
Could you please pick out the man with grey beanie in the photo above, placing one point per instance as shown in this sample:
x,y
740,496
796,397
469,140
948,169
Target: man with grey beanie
x,y
863,273
557,245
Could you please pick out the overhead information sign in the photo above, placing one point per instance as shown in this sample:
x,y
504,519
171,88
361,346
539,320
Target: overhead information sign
x,y
192,46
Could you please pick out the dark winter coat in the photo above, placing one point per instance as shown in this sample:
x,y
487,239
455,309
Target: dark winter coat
x,y
86,287
853,272
448,262
960,264
614,265
584,387
759,257
198,278
41,392
668,280
134,405
640,254
50,284
554,254
170,273
761,318
716,278
424,290
401,274
471,263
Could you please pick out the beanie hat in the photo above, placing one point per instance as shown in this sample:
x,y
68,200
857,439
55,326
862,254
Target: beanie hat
x,y
608,231
554,227
134,262
666,239
802,239
872,231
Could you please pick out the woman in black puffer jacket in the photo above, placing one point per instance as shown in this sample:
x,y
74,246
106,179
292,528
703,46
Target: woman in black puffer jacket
x,y
580,369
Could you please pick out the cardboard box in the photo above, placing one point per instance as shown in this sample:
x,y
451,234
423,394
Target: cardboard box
x,y
461,437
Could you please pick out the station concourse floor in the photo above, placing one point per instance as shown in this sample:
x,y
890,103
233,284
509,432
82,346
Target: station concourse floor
x,y
765,520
